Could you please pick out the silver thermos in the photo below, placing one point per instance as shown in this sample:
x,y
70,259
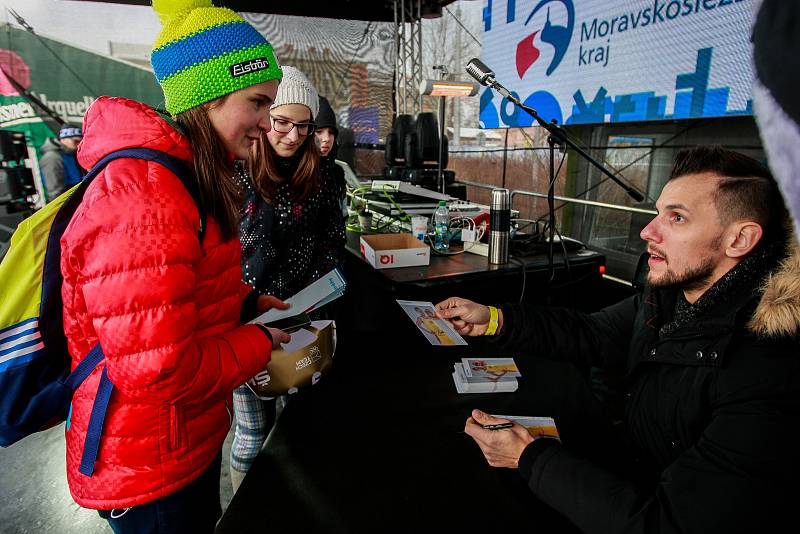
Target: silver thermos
x,y
499,226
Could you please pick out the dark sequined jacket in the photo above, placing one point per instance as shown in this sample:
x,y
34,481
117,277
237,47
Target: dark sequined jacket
x,y
286,245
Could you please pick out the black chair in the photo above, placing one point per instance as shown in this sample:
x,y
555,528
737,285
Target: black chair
x,y
346,146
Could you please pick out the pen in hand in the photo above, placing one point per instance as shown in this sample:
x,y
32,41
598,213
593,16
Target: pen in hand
x,y
498,426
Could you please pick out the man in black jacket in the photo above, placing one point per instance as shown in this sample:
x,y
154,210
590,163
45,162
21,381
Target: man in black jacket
x,y
711,363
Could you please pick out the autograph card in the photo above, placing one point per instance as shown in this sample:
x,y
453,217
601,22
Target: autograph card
x,y
436,331
538,427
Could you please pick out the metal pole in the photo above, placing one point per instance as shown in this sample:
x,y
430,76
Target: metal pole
x,y
551,142
457,101
397,104
417,62
440,176
569,200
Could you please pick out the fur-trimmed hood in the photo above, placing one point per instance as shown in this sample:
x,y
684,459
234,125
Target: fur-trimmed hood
x,y
778,312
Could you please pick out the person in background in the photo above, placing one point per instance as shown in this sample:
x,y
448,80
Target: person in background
x,y
58,164
326,129
292,231
711,352
165,305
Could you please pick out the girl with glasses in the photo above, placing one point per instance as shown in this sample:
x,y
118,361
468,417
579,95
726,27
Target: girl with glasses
x,y
292,231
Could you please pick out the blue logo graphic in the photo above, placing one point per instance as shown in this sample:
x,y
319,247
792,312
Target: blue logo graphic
x,y
555,35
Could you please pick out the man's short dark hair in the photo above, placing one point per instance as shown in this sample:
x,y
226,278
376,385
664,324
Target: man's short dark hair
x,y
747,190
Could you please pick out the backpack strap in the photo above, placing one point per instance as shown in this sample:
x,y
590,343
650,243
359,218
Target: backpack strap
x,y
84,367
178,167
91,444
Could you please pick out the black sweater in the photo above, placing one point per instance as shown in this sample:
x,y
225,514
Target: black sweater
x,y
286,244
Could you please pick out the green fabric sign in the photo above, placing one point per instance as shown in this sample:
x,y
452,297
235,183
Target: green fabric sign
x,y
66,79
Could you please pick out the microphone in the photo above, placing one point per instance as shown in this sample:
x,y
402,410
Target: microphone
x,y
478,70
485,76
499,226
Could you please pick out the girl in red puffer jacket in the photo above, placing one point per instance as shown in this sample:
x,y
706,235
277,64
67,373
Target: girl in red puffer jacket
x,y
165,307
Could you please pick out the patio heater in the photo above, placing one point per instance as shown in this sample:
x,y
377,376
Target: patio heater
x,y
443,89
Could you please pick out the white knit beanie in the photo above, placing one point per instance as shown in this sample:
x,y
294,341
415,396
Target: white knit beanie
x,y
296,89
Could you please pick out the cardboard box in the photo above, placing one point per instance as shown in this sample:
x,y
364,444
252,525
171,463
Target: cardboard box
x,y
300,362
385,251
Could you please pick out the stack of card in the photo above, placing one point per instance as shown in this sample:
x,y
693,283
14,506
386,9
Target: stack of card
x,y
314,296
485,375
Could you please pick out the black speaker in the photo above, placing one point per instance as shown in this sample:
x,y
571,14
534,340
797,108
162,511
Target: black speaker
x,y
13,146
16,183
402,125
427,177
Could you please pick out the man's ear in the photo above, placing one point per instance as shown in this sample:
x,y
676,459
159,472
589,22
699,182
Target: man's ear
x,y
744,237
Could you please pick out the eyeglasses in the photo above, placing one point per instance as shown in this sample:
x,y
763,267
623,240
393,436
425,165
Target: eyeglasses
x,y
285,126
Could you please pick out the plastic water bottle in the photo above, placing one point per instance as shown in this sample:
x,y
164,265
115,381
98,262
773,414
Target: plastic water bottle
x,y
441,222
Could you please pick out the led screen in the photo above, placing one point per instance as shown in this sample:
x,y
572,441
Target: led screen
x,y
596,61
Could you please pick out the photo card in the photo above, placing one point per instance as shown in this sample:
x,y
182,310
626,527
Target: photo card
x,y
437,331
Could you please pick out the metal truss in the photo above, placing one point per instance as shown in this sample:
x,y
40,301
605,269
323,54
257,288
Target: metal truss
x,y
408,59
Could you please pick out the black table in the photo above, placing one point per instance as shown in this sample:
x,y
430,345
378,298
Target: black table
x,y
377,445
466,266
576,282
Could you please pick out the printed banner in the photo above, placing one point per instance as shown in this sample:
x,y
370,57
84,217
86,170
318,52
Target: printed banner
x,y
596,61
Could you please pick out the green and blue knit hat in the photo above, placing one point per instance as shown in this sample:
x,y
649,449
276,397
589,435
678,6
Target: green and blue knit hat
x,y
205,52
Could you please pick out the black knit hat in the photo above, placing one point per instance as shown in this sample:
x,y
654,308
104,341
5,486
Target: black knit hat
x,y
326,118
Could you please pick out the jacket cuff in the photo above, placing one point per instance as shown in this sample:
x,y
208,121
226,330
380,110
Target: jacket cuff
x,y
266,331
531,454
249,309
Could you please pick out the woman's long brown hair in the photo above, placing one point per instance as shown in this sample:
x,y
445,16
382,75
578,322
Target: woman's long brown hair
x,y
218,191
263,169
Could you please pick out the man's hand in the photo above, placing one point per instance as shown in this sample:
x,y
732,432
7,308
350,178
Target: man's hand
x,y
502,448
267,302
467,317
278,336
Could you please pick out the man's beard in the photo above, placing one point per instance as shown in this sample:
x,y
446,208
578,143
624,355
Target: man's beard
x,y
694,278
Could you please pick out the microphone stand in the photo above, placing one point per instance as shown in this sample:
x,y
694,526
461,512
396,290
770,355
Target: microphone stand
x,y
557,137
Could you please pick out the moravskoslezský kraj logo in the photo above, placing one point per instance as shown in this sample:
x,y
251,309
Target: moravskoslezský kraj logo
x,y
555,35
